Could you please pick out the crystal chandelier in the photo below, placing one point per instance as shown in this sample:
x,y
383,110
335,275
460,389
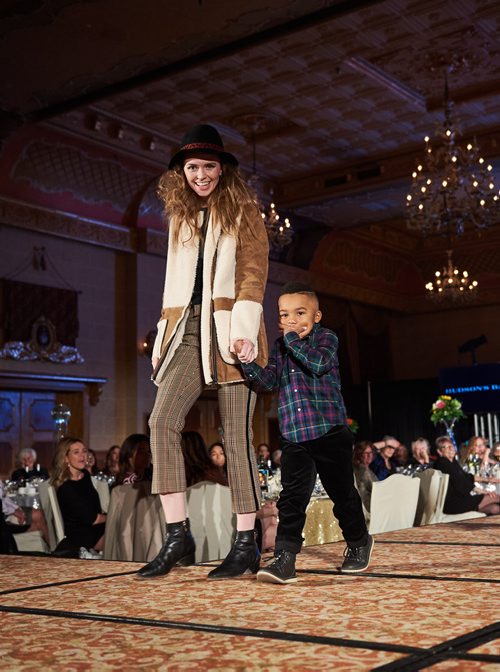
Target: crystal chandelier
x,y
279,232
453,186
450,283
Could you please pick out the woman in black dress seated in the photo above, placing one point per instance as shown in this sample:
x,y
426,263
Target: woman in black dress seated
x,y
78,499
459,496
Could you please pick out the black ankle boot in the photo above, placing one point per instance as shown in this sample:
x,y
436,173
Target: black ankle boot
x,y
244,556
178,549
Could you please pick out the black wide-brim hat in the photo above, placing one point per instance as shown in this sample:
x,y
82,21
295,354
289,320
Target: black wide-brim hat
x,y
202,139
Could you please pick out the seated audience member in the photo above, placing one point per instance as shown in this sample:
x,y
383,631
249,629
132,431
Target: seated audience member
x,y
135,460
495,453
459,496
401,457
91,465
199,467
218,458
78,500
383,464
362,457
478,451
112,462
27,466
263,453
18,520
421,453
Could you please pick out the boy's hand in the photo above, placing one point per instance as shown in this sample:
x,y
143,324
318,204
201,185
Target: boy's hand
x,y
298,330
243,349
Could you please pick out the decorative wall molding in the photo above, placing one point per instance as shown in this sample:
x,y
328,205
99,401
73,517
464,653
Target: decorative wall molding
x,y
64,225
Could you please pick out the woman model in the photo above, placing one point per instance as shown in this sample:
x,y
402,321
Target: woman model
x,y
212,308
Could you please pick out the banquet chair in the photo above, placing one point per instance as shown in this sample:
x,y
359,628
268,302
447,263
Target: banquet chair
x,y
451,517
428,497
393,503
135,524
52,513
103,491
29,542
213,524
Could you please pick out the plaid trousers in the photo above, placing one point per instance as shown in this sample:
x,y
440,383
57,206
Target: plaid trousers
x,y
181,386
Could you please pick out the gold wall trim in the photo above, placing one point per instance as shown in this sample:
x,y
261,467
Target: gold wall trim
x,y
63,225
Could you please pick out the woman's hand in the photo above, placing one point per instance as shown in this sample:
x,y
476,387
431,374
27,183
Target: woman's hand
x,y
101,518
154,362
243,349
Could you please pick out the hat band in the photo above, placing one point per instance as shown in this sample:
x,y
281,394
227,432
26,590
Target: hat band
x,y
202,145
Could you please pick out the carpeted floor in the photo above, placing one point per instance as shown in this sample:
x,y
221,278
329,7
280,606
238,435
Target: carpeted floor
x,y
430,600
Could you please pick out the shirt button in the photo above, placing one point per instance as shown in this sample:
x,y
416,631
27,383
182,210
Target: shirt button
x,y
293,370
299,409
295,390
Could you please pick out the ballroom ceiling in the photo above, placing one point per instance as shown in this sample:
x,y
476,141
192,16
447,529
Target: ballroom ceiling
x,y
335,97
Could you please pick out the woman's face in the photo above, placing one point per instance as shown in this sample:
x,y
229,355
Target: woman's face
x,y
480,446
217,456
202,175
142,457
388,451
76,457
263,451
90,459
367,456
114,457
420,452
447,450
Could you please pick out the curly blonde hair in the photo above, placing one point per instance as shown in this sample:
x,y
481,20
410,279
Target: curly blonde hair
x,y
60,468
232,203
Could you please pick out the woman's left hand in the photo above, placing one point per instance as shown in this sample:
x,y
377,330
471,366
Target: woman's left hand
x,y
243,349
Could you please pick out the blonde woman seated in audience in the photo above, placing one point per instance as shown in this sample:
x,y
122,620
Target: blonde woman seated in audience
x,y
479,452
459,496
362,457
421,454
78,500
27,467
135,460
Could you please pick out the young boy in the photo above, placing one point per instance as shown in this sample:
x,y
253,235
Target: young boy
x,y
303,365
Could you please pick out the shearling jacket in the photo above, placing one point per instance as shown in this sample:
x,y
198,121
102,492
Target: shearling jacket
x,y
234,281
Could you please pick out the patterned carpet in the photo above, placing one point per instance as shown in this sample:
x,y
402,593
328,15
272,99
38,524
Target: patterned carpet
x,y
429,600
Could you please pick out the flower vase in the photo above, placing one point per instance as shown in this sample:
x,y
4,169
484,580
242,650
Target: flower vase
x,y
449,430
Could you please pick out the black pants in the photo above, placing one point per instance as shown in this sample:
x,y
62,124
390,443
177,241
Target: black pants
x,y
331,457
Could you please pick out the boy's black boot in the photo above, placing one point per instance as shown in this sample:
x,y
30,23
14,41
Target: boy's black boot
x,y
243,557
280,570
357,558
178,549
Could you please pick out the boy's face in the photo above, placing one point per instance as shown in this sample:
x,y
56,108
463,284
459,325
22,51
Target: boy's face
x,y
299,313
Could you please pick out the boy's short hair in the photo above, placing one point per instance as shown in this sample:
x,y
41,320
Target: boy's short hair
x,y
295,287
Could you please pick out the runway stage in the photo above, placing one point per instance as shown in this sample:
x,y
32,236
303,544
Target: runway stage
x,y
429,601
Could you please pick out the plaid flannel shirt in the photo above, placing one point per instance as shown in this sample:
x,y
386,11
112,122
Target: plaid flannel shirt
x,y
306,373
